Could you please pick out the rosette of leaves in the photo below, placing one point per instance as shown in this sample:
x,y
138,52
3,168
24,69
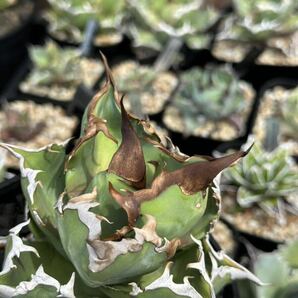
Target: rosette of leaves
x,y
68,18
279,270
120,214
152,24
266,179
210,94
147,90
256,21
53,65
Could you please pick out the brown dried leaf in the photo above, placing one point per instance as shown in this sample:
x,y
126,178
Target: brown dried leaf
x,y
192,178
128,162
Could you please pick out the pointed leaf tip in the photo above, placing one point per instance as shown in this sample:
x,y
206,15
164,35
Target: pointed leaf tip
x,y
109,75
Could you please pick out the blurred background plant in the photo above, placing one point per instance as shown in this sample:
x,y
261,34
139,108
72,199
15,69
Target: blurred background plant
x,y
68,18
152,24
54,65
209,95
266,179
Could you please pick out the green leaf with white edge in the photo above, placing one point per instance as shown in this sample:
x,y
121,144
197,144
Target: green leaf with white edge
x,y
23,270
42,183
224,269
100,262
108,207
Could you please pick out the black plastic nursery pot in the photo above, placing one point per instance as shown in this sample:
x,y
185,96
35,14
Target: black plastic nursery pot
x,y
13,47
76,105
12,91
257,74
284,82
110,51
261,243
12,202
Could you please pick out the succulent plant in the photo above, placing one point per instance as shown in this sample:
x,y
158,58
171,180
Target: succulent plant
x,y
213,94
146,89
257,21
54,65
279,270
18,126
71,16
288,112
119,214
266,179
153,23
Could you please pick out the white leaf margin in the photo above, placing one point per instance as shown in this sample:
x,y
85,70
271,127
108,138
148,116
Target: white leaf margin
x,y
39,278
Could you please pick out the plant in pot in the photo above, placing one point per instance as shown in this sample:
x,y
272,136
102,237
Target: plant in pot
x,y
278,269
210,103
25,123
260,195
57,72
264,26
277,121
68,20
118,216
151,25
147,90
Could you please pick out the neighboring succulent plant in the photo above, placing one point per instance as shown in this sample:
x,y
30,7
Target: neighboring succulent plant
x,y
279,270
54,65
153,23
2,164
121,213
135,83
288,113
71,16
266,179
146,89
213,94
18,126
257,21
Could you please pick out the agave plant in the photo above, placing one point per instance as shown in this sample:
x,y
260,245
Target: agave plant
x,y
147,89
70,17
153,23
279,270
266,179
212,94
54,65
119,214
257,21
